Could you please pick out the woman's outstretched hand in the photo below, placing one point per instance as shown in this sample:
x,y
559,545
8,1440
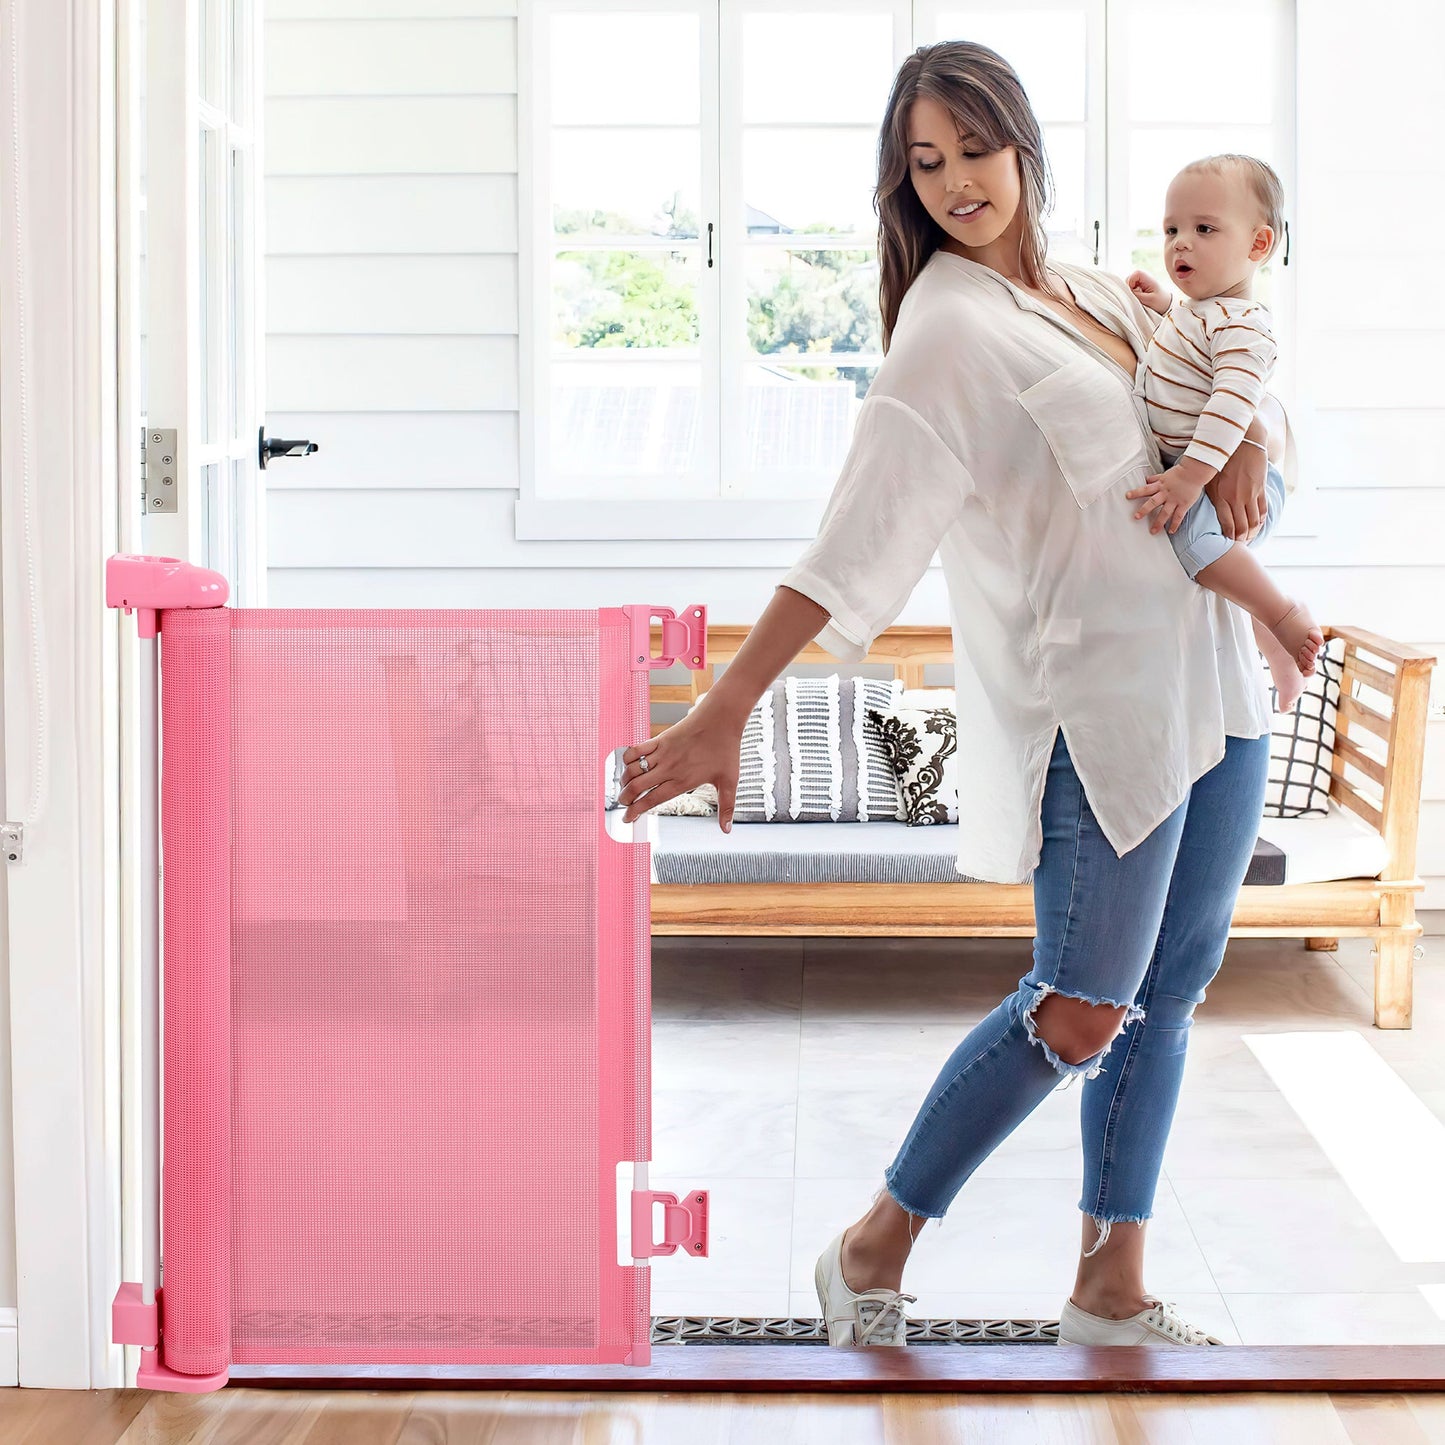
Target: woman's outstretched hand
x,y
705,747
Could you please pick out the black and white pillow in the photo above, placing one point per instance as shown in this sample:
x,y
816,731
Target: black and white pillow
x,y
1302,742
922,745
810,754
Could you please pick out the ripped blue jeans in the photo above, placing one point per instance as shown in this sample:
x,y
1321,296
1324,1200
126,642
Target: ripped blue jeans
x,y
1145,932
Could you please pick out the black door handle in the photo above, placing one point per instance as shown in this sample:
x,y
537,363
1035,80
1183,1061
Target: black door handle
x,y
268,447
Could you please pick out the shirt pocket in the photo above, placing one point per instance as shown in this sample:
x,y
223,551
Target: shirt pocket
x,y
1091,425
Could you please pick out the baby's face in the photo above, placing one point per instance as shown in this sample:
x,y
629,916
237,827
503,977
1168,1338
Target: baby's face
x,y
1213,235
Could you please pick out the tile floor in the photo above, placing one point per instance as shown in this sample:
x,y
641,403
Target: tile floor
x,y
787,1071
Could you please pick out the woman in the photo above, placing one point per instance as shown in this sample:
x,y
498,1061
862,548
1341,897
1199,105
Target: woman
x,y
1112,715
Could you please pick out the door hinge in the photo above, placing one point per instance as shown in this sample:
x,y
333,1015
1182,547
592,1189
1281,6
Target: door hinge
x,y
160,487
12,842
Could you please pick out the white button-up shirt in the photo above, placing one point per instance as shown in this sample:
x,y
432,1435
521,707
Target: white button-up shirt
x,y
997,435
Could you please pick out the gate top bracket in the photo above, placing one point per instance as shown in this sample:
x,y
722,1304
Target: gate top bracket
x,y
149,585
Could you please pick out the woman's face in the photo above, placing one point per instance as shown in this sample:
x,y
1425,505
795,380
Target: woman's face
x,y
972,193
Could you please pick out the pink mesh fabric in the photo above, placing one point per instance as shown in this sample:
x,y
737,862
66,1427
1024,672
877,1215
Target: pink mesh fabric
x,y
407,988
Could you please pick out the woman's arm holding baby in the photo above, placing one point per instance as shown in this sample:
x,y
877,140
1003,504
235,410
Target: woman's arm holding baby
x,y
1237,490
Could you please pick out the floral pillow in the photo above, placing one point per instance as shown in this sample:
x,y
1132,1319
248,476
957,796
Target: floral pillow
x,y
922,746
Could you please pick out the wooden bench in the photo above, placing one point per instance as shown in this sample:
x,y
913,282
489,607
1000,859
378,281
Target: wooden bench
x,y
1384,694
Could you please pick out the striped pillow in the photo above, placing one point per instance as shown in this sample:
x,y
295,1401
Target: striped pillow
x,y
810,754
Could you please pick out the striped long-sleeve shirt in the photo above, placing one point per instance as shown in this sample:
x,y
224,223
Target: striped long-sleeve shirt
x,y
1204,375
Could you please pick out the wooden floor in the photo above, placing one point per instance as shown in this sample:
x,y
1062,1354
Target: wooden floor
x,y
247,1416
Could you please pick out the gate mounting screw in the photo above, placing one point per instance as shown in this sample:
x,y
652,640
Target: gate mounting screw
x,y
12,841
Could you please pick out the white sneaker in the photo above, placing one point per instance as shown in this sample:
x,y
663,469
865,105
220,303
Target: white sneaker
x,y
874,1317
1157,1325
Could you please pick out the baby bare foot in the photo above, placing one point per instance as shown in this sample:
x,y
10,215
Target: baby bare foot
x,y
1300,637
1288,680
1289,683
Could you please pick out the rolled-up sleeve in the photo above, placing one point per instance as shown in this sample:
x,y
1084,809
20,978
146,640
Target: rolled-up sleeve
x,y
900,490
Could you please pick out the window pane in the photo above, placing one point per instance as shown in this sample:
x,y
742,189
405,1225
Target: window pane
x,y
813,301
236,281
848,73
1233,55
206,40
1064,145
626,182
208,358
241,15
144,302
214,521
625,299
802,179
1156,157
1045,47
238,484
799,421
626,419
625,69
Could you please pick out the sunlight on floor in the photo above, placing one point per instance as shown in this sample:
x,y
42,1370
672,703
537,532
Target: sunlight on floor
x,y
1386,1144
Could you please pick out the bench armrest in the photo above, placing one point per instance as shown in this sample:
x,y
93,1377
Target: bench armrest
x,y
1400,676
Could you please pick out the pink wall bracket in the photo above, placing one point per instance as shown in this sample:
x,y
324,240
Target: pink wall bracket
x,y
684,636
149,585
684,1223
133,1322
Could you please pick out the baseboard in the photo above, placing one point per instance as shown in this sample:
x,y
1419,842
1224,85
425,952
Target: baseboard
x,y
9,1347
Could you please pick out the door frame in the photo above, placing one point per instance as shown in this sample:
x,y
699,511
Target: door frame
x,y
63,474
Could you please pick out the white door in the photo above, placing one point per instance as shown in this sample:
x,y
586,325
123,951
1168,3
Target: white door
x,y
202,401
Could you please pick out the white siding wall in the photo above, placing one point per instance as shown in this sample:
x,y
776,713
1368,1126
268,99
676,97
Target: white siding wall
x,y
1372,413
392,234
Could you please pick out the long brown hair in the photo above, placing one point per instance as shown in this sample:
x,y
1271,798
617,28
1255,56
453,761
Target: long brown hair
x,y
981,91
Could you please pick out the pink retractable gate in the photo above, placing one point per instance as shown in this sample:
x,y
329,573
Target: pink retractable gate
x,y
407,1003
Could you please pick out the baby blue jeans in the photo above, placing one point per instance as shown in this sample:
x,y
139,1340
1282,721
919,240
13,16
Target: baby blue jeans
x,y
1146,932
1198,542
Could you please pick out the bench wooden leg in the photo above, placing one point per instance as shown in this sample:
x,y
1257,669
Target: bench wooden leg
x,y
1394,981
1322,945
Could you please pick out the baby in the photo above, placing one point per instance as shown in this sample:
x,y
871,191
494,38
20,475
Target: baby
x,y
1202,379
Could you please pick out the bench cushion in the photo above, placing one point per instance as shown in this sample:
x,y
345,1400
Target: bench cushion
x,y
1319,849
694,850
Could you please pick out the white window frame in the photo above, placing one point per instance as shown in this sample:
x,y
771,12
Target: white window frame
x,y
722,298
